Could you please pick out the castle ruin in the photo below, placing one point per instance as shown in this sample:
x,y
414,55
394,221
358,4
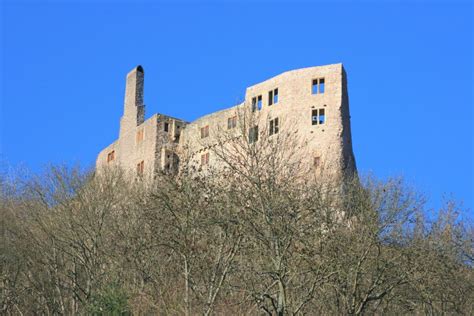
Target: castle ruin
x,y
312,102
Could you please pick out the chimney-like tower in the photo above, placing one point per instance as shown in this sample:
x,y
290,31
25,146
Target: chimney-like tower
x,y
134,109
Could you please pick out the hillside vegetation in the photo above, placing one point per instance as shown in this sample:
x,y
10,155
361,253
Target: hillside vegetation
x,y
255,238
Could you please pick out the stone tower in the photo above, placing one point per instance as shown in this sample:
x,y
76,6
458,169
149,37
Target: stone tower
x,y
134,109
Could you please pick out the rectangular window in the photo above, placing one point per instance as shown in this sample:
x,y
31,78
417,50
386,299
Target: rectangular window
x,y
139,136
314,88
205,131
314,117
231,122
318,86
256,103
140,168
111,156
274,126
205,159
253,134
322,116
273,96
166,127
318,117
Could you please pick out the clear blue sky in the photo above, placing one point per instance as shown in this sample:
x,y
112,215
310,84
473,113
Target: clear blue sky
x,y
409,64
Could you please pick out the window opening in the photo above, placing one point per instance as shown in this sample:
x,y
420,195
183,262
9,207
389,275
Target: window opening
x,y
274,126
253,134
111,156
140,168
318,86
231,122
205,159
318,116
205,131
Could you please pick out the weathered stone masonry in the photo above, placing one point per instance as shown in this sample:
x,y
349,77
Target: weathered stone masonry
x,y
311,101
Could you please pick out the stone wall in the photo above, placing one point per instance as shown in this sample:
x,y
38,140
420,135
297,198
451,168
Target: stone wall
x,y
330,142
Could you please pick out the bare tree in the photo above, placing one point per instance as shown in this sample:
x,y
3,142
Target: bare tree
x,y
258,232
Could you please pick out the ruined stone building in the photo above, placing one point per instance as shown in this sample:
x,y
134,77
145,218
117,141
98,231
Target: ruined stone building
x,y
312,102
